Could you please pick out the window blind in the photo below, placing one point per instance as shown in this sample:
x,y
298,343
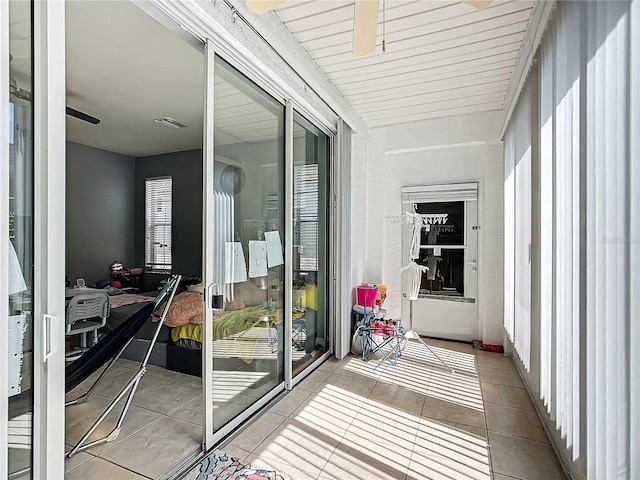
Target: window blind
x,y
158,223
589,233
305,214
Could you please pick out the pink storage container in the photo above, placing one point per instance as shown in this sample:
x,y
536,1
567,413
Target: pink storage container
x,y
366,295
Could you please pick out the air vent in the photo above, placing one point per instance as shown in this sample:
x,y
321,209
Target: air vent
x,y
169,122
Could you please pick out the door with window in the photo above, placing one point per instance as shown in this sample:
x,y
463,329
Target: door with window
x,y
448,247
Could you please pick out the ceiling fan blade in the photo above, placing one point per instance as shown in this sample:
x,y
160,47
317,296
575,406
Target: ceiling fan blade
x,y
477,3
260,7
365,26
82,116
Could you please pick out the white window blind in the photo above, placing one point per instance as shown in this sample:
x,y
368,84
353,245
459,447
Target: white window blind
x,y
305,214
517,205
158,223
589,233
611,217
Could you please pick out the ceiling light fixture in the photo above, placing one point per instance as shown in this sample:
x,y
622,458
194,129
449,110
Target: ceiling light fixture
x,y
169,122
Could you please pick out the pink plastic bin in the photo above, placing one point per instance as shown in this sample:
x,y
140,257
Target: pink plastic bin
x,y
366,295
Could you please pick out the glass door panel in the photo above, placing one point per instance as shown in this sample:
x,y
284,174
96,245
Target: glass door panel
x,y
247,245
310,328
19,356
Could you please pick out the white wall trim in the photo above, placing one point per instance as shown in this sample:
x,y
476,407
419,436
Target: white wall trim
x,y
536,27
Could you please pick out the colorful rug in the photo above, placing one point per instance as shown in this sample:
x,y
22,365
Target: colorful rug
x,y
220,466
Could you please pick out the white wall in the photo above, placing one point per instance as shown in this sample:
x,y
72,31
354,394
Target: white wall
x,y
456,149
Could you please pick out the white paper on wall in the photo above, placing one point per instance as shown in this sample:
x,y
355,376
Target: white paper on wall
x,y
17,327
16,279
274,249
257,258
236,266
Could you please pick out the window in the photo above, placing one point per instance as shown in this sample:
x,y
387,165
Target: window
x,y
305,214
158,223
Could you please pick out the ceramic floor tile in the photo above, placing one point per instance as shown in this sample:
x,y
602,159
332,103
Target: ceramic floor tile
x,y
313,381
438,409
398,397
99,469
499,376
295,470
457,347
156,448
136,419
524,459
509,396
498,476
448,450
111,385
290,402
78,459
255,434
312,447
192,412
354,462
457,389
495,360
170,374
516,422
167,396
358,388
95,403
236,452
330,407
114,371
387,431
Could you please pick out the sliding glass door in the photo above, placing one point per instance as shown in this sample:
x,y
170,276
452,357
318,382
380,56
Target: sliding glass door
x,y
31,238
244,228
19,354
310,322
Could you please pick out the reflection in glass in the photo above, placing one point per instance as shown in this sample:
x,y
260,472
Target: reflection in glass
x,y
446,221
20,354
446,271
310,233
248,261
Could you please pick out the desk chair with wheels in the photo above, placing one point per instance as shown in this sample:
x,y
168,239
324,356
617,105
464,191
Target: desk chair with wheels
x,y
87,312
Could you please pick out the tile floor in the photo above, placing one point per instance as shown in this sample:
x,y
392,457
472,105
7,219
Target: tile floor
x,y
163,424
347,420
415,420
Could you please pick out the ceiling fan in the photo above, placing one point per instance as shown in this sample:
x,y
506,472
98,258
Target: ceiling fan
x,y
72,112
365,20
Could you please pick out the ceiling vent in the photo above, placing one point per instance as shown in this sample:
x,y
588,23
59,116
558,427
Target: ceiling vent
x,y
169,122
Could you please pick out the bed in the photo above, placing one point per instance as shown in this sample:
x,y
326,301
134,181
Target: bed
x,y
241,333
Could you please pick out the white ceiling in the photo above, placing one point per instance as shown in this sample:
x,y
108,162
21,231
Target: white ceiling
x,y
123,67
443,57
126,69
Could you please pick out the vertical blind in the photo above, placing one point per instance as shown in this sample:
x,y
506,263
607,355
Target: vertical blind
x,y
305,214
158,223
517,192
589,232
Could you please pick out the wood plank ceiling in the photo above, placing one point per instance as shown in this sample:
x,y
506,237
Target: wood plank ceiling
x,y
443,57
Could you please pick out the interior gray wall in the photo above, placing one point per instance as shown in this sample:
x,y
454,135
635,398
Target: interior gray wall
x,y
185,169
99,211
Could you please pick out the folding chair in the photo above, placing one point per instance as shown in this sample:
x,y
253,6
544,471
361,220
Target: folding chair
x,y
159,312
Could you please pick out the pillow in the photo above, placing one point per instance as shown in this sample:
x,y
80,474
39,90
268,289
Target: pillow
x,y
185,308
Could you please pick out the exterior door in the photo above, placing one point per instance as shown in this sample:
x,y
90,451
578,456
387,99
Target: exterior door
x,y
447,304
31,239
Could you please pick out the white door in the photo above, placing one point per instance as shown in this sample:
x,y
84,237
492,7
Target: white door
x,y
32,87
447,304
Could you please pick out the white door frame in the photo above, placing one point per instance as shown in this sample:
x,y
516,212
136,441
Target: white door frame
x,y
4,230
49,238
49,235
